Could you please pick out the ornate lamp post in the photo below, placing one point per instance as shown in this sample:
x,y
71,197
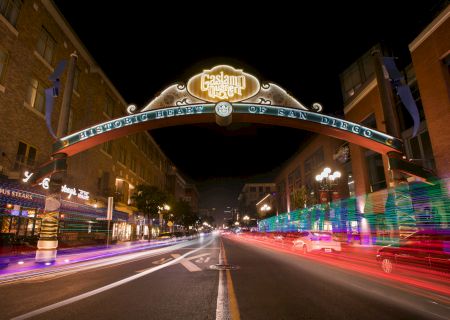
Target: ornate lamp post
x,y
246,219
265,207
327,183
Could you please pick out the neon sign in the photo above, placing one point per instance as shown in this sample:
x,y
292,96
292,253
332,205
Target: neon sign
x,y
223,83
45,184
222,86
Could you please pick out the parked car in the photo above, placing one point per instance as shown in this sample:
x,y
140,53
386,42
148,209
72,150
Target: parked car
x,y
165,236
424,249
309,241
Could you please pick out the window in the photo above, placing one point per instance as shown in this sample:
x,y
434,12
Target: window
x,y
350,179
361,71
377,178
107,147
132,164
46,45
10,10
281,196
312,165
109,106
134,139
103,181
419,150
70,123
368,65
405,119
76,77
252,189
351,81
26,156
122,155
3,62
36,95
142,171
370,121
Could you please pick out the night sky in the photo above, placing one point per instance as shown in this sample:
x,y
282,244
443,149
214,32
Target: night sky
x,y
143,47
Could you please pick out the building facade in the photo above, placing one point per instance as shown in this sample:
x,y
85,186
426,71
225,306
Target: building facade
x,y
366,181
300,171
34,39
430,53
250,194
191,195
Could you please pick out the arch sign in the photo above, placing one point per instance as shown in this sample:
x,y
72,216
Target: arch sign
x,y
224,95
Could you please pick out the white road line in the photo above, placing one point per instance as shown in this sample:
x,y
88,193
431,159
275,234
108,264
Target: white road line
x,y
186,263
198,256
105,288
161,261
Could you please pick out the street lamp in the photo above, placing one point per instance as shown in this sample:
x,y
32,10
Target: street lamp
x,y
266,207
162,210
327,182
246,219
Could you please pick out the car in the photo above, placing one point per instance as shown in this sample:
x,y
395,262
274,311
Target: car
x,y
429,249
310,241
165,236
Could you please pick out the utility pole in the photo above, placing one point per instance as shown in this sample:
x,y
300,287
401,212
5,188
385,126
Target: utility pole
x,y
109,217
48,241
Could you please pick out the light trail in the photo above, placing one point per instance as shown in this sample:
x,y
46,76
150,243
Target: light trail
x,y
91,263
107,287
365,267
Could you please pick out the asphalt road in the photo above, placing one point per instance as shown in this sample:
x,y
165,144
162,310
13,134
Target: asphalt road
x,y
178,283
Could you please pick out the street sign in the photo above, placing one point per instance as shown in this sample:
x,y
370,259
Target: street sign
x,y
170,223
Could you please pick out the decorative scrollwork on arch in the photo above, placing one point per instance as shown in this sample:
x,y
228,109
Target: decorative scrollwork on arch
x,y
316,107
131,109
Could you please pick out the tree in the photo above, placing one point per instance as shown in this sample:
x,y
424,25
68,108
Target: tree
x,y
149,200
183,214
300,198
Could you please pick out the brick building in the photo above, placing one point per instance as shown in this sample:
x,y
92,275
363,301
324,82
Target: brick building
x,y
250,194
365,174
34,38
316,154
430,53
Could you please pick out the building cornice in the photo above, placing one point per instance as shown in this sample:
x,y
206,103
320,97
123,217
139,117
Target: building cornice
x,y
81,49
437,22
364,92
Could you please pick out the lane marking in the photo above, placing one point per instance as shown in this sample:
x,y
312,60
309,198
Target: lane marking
x,y
235,315
161,261
227,306
222,308
105,288
199,256
186,263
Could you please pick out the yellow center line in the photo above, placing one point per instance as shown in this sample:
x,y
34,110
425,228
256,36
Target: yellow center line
x,y
233,304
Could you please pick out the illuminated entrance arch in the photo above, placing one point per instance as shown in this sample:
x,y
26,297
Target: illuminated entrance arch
x,y
223,95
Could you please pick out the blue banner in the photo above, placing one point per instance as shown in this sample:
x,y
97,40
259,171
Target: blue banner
x,y
403,91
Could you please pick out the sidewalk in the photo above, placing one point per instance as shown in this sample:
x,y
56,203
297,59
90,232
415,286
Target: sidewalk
x,y
26,262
